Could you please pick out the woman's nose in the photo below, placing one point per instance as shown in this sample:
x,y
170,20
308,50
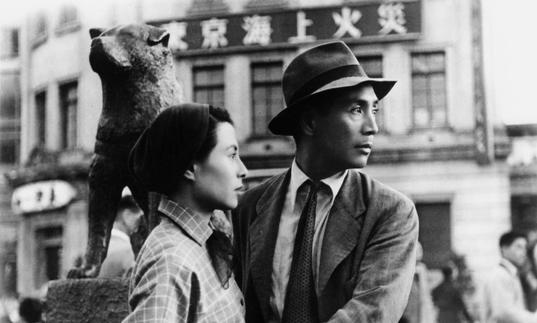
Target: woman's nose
x,y
243,171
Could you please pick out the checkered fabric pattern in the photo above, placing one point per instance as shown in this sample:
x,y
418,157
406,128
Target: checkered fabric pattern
x,y
173,279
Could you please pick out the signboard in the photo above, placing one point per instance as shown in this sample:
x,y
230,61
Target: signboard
x,y
42,196
366,22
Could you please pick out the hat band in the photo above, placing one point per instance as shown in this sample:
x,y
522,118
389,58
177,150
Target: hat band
x,y
325,78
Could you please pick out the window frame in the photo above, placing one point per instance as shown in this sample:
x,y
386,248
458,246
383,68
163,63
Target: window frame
x,y
273,83
68,122
429,89
209,87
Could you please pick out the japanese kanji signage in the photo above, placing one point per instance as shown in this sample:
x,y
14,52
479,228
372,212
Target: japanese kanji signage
x,y
382,21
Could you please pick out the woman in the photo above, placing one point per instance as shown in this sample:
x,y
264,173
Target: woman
x,y
189,155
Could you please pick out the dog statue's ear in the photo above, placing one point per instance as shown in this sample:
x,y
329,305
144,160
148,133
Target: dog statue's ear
x,y
158,36
95,32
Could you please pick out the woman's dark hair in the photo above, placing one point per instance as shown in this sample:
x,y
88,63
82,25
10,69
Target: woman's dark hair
x,y
216,116
178,136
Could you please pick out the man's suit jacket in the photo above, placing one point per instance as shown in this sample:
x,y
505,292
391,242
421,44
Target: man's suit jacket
x,y
368,254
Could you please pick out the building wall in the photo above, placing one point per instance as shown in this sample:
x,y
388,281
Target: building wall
x,y
9,135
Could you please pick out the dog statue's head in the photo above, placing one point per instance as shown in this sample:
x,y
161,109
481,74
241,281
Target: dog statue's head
x,y
129,48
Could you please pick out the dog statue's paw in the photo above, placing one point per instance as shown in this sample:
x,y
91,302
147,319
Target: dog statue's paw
x,y
83,272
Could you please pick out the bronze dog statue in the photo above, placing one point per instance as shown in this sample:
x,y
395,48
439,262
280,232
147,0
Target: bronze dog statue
x,y
138,80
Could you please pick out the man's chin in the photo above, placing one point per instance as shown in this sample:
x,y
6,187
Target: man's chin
x,y
359,162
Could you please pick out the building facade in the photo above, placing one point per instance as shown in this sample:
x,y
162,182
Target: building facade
x,y
10,122
440,143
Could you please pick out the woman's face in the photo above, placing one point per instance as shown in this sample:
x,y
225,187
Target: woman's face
x,y
218,179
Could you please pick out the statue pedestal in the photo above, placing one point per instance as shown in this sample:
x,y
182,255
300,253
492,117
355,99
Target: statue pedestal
x,y
87,300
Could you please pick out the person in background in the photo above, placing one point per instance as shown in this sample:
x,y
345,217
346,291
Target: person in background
x,y
120,257
449,301
190,155
528,277
502,290
419,308
31,310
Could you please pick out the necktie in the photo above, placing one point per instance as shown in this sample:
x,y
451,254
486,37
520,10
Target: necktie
x,y
301,300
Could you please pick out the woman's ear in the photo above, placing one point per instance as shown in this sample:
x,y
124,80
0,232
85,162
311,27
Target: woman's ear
x,y
190,172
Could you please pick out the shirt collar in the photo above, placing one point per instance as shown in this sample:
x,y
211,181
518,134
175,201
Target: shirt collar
x,y
298,177
197,226
120,234
509,266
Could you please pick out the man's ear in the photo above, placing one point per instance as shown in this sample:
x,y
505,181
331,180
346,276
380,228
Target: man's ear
x,y
190,172
306,122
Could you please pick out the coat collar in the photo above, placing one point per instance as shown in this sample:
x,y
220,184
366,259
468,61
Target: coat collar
x,y
262,238
343,227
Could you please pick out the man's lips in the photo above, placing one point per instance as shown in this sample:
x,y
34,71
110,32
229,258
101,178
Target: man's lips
x,y
364,146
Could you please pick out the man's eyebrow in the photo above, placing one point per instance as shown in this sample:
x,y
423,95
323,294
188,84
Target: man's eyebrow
x,y
367,101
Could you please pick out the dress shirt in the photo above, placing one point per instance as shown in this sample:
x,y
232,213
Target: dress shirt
x,y
294,203
174,280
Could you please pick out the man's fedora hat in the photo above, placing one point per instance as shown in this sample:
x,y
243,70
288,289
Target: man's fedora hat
x,y
322,68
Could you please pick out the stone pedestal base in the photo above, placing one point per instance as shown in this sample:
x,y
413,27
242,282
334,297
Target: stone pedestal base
x,y
87,301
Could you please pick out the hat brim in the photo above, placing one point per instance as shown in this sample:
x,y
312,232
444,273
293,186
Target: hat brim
x,y
285,122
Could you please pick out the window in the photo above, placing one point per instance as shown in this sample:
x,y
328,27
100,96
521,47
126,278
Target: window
x,y
209,85
435,232
68,19
68,114
9,43
429,90
372,66
40,29
41,117
523,210
9,117
267,97
49,254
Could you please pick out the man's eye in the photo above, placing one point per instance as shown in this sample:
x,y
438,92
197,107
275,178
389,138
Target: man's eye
x,y
356,109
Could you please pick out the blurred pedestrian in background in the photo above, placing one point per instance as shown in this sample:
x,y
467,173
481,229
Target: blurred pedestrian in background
x,y
529,278
503,295
120,257
449,300
419,308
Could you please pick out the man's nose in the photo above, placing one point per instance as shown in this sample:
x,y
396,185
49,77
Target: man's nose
x,y
370,127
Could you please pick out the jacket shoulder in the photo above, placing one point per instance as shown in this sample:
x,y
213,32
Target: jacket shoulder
x,y
382,195
253,194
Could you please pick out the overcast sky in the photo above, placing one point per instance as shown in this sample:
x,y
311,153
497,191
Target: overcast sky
x,y
510,48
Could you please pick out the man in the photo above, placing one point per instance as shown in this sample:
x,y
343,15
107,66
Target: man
x,y
120,257
504,299
323,241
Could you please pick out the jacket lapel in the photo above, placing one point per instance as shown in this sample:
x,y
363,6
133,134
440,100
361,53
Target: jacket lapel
x,y
262,238
343,228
